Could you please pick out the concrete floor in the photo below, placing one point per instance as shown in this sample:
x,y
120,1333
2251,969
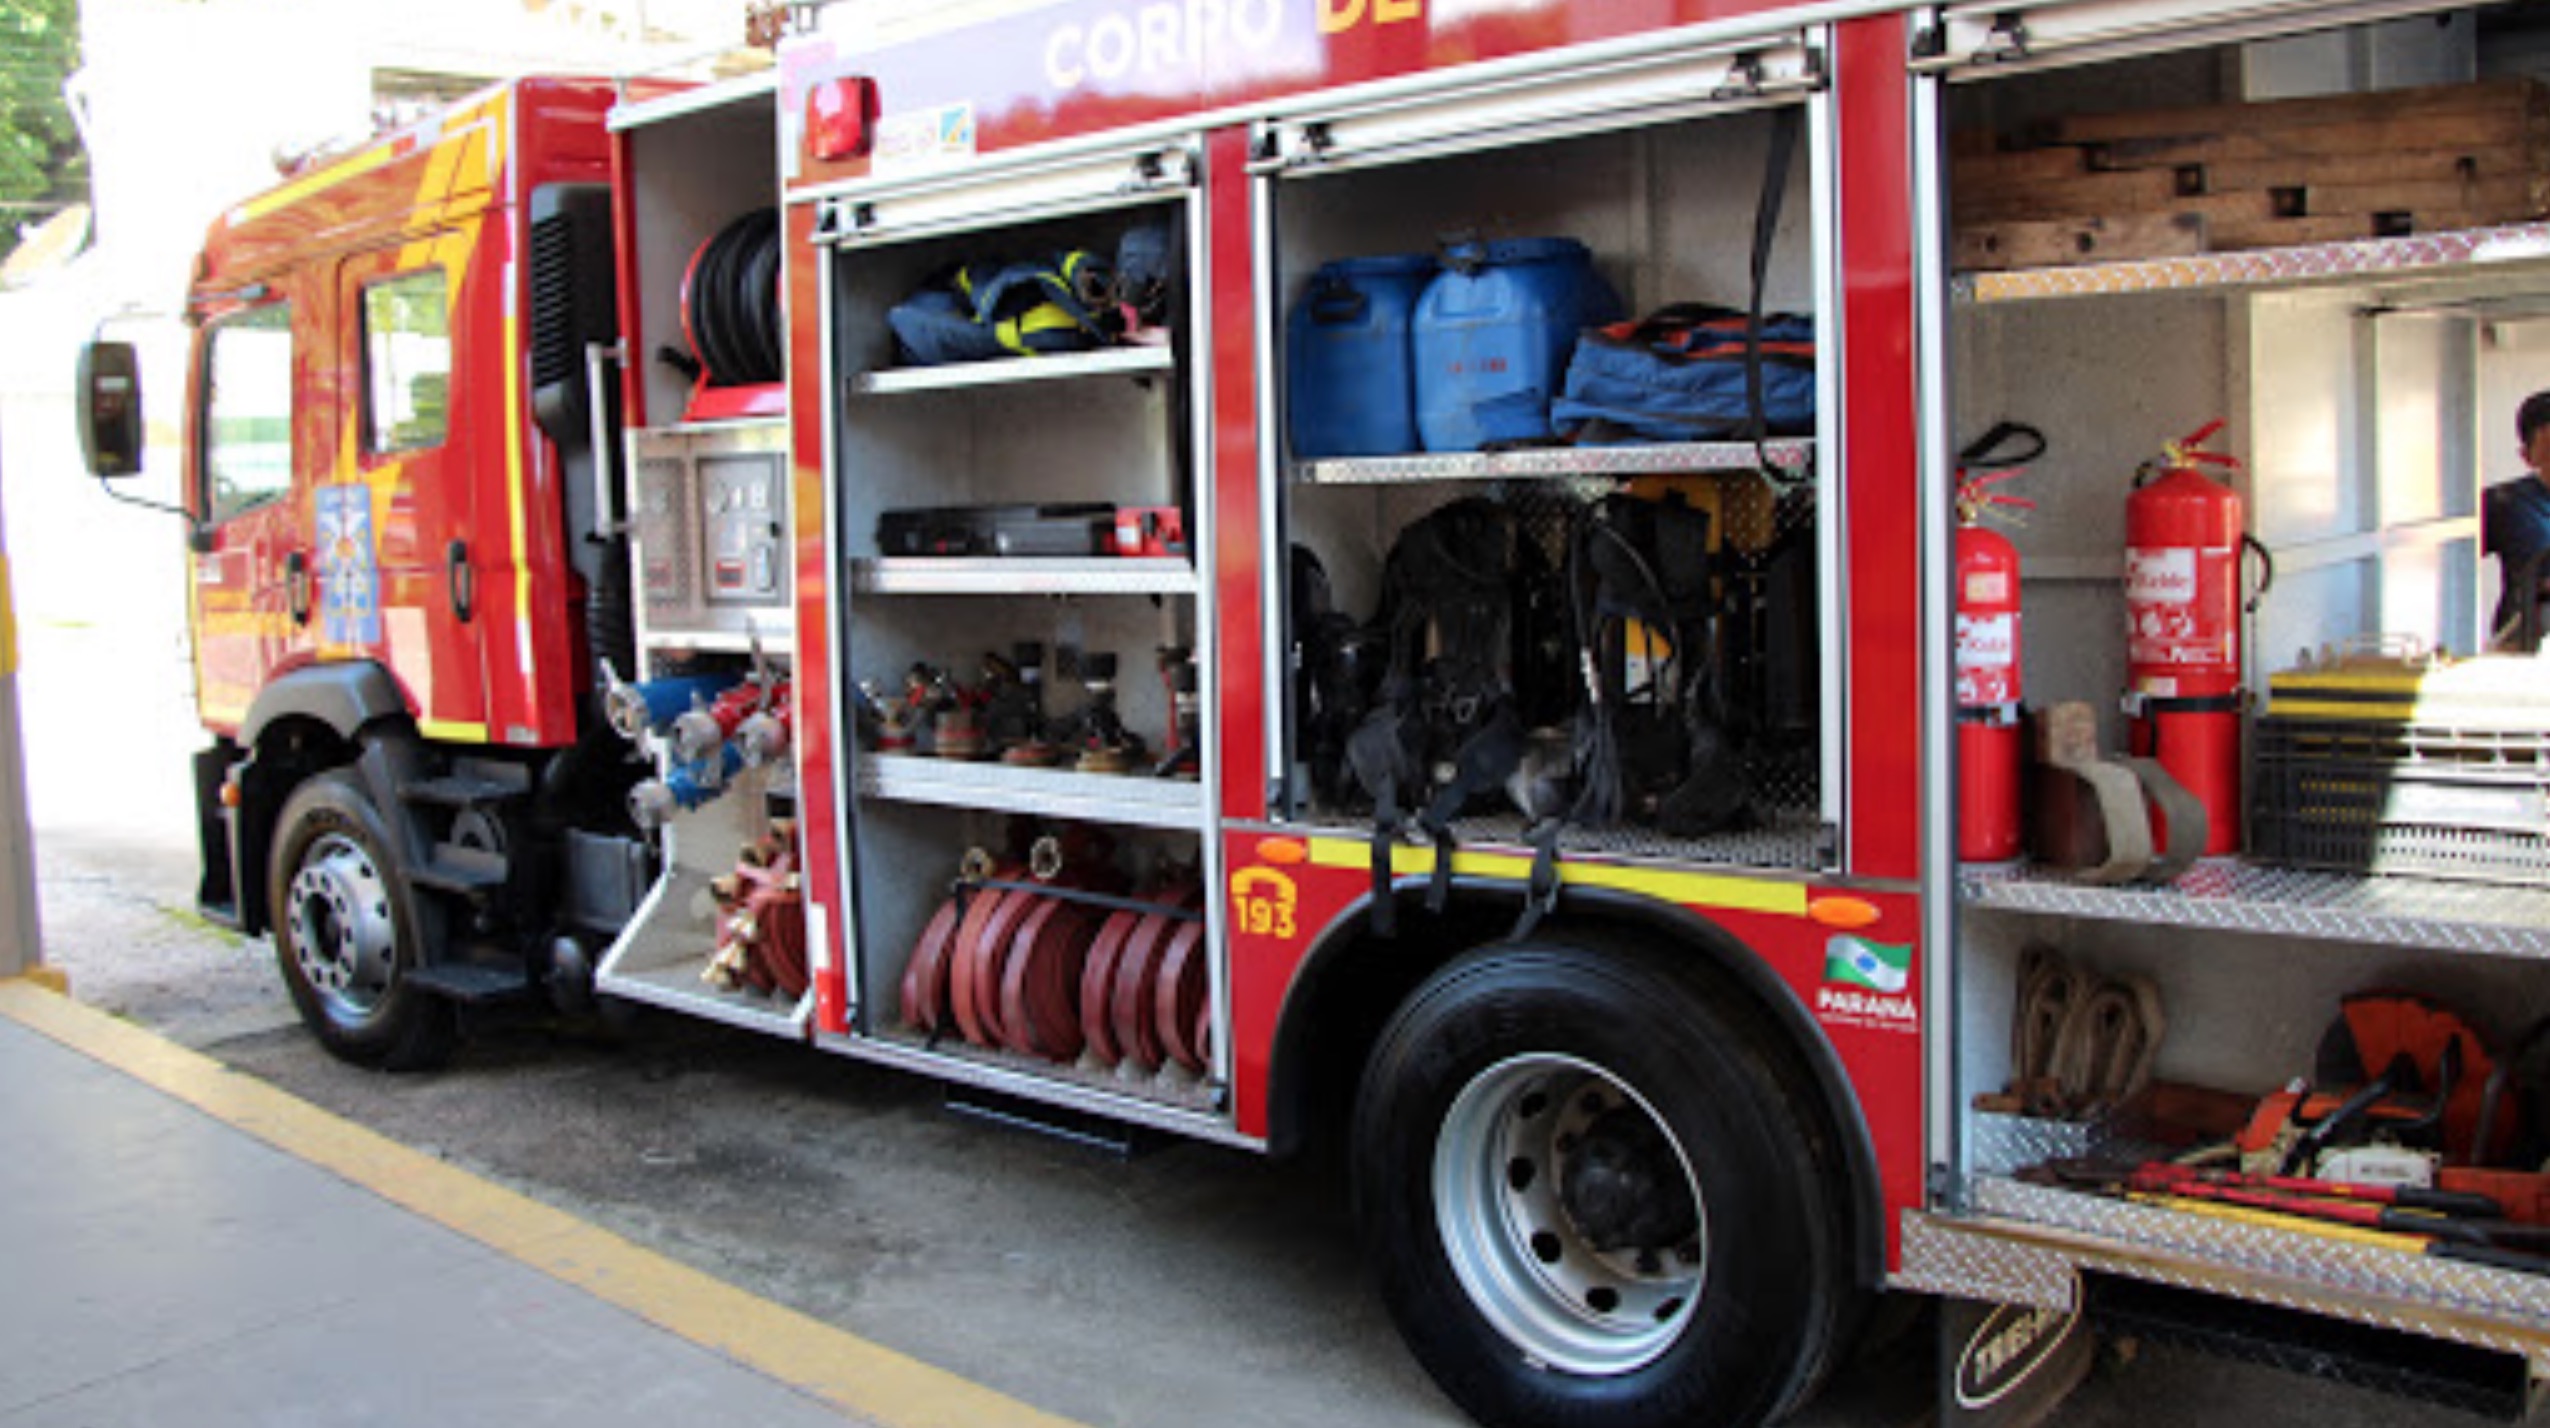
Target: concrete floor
x,y
167,1266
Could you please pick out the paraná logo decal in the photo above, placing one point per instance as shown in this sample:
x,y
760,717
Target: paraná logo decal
x,y
1868,984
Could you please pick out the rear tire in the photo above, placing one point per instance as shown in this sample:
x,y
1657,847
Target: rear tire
x,y
348,930
1587,1197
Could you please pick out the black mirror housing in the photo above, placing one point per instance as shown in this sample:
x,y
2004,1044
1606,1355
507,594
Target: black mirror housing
x,y
109,391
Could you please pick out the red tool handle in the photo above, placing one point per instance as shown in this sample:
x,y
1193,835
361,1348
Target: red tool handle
x,y
2408,1197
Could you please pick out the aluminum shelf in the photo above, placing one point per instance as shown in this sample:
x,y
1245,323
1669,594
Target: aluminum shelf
x,y
678,988
1133,800
1792,456
1023,575
1010,371
2515,250
2024,1243
1168,1099
662,952
2227,895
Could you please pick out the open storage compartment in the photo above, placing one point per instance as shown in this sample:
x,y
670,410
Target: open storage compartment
x,y
1442,243
704,692
2284,263
1025,634
699,165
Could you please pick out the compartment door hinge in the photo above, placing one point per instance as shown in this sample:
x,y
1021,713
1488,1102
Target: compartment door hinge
x,y
1992,33
1632,91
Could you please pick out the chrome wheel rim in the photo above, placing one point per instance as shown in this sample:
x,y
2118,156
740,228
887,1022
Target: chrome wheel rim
x,y
1570,1214
344,938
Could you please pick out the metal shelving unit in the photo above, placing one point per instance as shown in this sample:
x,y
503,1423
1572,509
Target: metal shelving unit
x,y
1791,458
1011,371
1022,575
1130,799
2492,254
1998,1236
2228,895
2023,1243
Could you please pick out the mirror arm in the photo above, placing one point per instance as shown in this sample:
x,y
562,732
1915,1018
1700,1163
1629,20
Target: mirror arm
x,y
198,533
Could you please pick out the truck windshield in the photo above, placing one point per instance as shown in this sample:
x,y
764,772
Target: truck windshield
x,y
248,411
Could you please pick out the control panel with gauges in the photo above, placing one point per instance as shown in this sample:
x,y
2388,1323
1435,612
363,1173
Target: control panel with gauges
x,y
709,520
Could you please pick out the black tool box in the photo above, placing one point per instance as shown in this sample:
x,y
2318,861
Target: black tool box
x,y
1076,529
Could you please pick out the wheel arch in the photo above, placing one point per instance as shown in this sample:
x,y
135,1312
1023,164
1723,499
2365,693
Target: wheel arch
x,y
1350,982
341,696
313,719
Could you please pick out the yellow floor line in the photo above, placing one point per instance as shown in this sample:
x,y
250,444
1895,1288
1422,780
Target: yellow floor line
x,y
842,1369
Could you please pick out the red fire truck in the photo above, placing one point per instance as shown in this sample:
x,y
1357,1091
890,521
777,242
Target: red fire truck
x,y
1387,569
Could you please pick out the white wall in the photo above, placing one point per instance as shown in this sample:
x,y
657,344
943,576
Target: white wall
x,y
186,103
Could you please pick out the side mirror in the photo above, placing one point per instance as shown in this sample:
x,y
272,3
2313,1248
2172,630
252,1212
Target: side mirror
x,y
110,405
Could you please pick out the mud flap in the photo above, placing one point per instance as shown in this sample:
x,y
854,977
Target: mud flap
x,y
2009,1365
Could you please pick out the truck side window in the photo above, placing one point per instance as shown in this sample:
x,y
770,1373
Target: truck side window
x,y
407,362
248,411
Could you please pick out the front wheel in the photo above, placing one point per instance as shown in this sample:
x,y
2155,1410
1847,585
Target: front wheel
x,y
348,931
1586,1195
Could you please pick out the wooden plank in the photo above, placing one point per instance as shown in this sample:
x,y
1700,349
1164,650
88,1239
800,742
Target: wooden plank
x,y
2072,205
2510,97
2492,201
2236,235
2086,195
2019,168
2408,166
1969,142
1991,247
2473,133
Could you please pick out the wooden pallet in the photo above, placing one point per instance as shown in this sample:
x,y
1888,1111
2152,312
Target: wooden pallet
x,y
2215,178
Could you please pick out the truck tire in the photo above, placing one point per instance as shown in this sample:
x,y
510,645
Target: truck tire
x,y
348,930
1586,1196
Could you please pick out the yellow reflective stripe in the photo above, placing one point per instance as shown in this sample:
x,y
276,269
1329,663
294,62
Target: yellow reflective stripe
x,y
1689,889
1044,317
8,623
272,623
2286,707
299,189
452,730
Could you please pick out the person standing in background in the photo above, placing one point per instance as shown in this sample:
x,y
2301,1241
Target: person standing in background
x,y
2514,525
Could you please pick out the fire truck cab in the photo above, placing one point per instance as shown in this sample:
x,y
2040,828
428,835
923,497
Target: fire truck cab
x,y
388,471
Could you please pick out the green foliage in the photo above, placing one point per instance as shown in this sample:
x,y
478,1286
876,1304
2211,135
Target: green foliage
x,y
41,160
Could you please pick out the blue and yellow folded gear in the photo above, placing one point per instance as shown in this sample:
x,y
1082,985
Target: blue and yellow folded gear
x,y
1679,375
1002,309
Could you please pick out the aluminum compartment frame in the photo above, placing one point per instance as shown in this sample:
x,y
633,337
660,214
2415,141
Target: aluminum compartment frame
x,y
1792,456
2021,1243
1074,181
1992,1237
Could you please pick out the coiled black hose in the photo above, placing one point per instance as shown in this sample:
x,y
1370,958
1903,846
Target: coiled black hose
x,y
730,302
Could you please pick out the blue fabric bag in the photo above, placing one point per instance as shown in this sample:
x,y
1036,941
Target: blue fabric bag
x,y
1679,375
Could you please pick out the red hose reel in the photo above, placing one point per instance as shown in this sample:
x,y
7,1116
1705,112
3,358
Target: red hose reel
x,y
1048,959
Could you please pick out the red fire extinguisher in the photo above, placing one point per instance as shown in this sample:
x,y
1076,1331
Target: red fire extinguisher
x,y
2184,693
1988,689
